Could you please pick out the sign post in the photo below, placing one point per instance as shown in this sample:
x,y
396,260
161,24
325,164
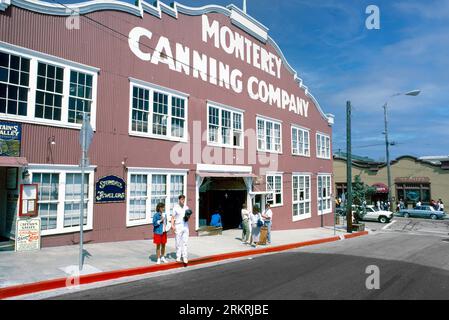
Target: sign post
x,y
86,135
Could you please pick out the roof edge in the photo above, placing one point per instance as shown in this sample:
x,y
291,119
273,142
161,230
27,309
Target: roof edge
x,y
238,18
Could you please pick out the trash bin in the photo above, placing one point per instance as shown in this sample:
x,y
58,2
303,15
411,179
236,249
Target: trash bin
x,y
263,235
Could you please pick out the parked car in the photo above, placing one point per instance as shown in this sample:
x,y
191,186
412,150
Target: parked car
x,y
422,212
374,214
371,214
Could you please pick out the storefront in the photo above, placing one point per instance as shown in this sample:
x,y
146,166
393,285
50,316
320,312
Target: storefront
x,y
194,101
413,179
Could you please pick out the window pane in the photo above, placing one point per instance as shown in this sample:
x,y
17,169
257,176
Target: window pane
x,y
14,80
50,107
160,113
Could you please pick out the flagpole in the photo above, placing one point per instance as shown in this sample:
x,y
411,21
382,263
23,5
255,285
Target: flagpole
x,y
244,6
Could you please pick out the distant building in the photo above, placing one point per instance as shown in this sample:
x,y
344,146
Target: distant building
x,y
412,178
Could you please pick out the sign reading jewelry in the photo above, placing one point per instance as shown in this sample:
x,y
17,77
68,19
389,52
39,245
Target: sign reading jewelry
x,y
10,138
110,189
180,58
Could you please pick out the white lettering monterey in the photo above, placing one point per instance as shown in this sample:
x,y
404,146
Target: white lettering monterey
x,y
182,59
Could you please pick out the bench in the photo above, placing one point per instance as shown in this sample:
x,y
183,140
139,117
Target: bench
x,y
209,231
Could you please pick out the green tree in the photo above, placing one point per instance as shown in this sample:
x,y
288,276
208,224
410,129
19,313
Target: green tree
x,y
360,193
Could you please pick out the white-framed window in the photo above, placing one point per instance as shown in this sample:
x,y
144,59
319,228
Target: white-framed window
x,y
59,197
269,135
324,194
147,188
300,141
43,89
323,149
275,186
301,197
157,112
225,126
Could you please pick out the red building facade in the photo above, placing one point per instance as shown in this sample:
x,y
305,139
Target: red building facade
x,y
194,101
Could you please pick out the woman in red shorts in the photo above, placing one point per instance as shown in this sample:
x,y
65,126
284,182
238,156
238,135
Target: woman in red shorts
x,y
160,236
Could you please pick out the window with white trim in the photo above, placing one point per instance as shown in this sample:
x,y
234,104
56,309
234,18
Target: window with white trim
x,y
59,199
80,96
300,142
39,88
301,197
274,185
156,113
323,146
269,135
147,189
72,201
14,84
225,127
324,194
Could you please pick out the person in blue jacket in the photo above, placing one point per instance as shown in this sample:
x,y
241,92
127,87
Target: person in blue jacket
x,y
160,235
215,220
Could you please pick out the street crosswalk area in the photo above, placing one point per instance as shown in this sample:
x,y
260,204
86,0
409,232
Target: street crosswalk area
x,y
413,225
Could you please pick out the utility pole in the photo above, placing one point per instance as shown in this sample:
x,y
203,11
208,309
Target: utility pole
x,y
348,168
387,145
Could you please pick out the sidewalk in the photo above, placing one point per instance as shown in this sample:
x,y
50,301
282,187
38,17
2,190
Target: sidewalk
x,y
17,268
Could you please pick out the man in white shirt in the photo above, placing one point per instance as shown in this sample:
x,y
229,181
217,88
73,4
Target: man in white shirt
x,y
418,204
181,229
268,219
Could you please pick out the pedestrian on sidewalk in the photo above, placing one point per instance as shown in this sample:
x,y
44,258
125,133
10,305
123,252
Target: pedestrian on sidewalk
x,y
180,225
160,234
256,224
268,220
245,224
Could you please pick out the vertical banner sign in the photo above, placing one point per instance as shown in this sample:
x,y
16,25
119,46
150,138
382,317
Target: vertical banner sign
x,y
10,139
28,234
110,189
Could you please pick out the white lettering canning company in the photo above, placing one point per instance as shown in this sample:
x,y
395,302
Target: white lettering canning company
x,y
180,58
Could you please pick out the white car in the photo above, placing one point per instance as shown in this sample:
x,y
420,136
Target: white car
x,y
374,214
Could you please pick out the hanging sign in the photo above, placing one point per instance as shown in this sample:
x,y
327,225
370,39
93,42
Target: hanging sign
x,y
110,189
28,234
10,138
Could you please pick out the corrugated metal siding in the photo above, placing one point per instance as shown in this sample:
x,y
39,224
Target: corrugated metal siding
x,y
92,45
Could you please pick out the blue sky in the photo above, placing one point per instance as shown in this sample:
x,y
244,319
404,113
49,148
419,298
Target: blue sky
x,y
339,59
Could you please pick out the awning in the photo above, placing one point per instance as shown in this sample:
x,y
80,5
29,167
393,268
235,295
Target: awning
x,y
380,188
13,162
225,175
262,193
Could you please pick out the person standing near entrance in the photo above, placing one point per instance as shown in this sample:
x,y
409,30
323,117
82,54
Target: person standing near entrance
x,y
180,226
268,219
245,224
160,234
256,224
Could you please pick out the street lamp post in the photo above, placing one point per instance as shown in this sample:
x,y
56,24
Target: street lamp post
x,y
413,93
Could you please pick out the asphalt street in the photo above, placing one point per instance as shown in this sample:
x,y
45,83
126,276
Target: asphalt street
x,y
411,266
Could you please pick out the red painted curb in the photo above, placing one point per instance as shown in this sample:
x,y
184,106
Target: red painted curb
x,y
19,290
357,234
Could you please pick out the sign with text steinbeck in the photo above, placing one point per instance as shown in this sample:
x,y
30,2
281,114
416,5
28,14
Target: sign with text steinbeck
x,y
28,234
110,189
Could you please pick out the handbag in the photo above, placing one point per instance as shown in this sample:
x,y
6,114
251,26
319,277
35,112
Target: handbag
x,y
167,224
260,223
